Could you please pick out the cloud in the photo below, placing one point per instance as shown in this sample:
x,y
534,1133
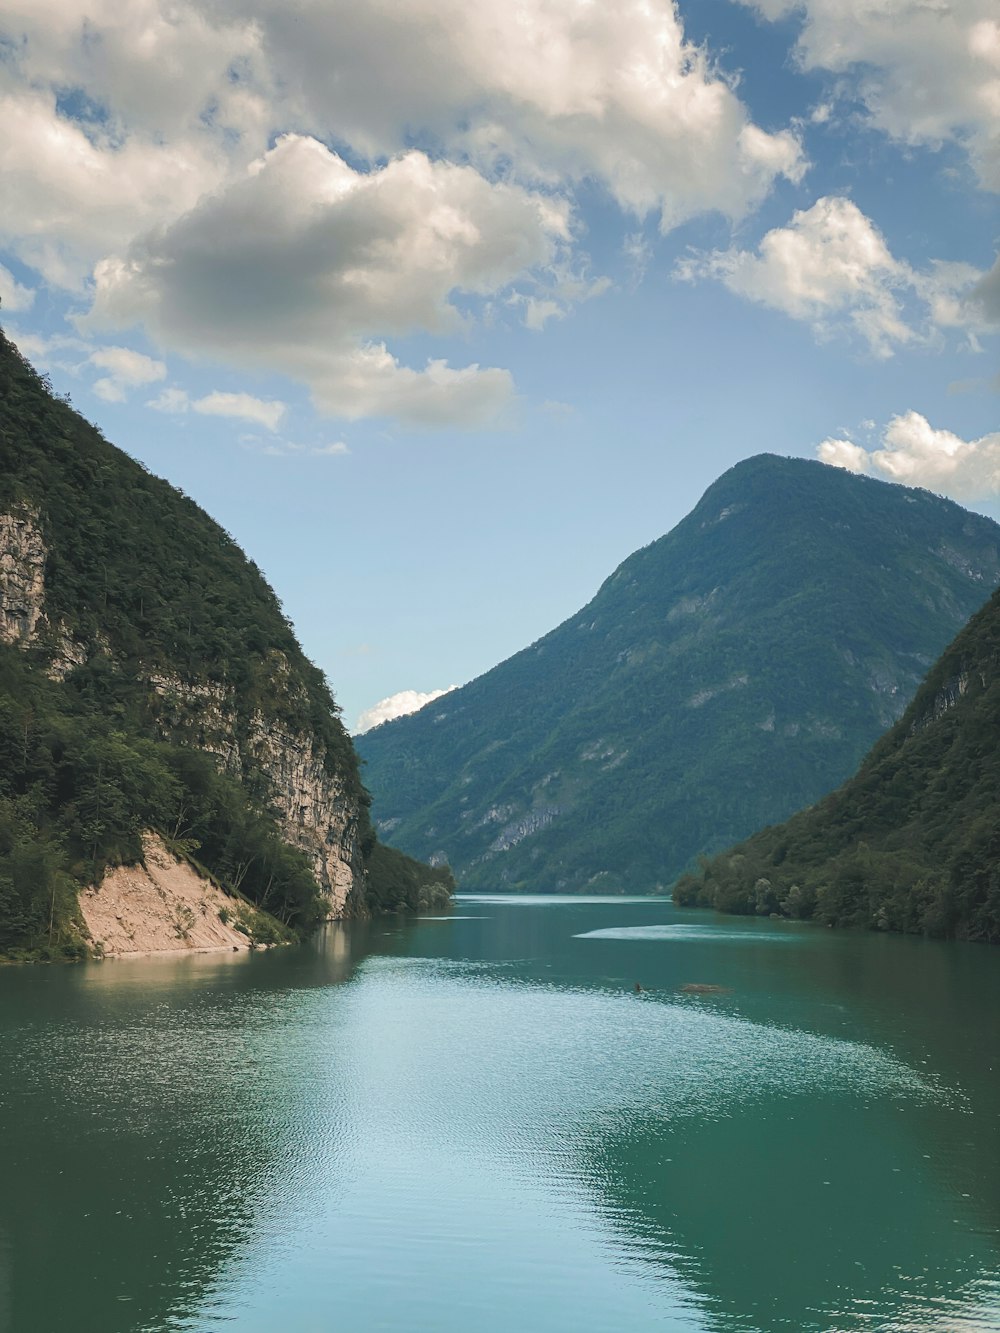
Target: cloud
x,y
14,297
832,268
126,370
243,406
277,448
558,92
120,115
72,192
397,705
913,452
304,261
927,73
174,151
173,400
55,352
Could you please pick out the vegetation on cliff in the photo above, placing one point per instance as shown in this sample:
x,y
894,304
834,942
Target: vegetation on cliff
x,y
724,676
141,587
912,841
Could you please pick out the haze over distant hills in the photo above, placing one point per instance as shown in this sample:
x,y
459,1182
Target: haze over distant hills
x,y
723,677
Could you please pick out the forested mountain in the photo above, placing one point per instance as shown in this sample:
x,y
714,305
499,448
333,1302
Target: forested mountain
x,y
912,842
724,676
149,680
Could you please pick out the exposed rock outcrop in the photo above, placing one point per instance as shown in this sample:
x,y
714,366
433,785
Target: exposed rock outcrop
x,y
22,576
315,811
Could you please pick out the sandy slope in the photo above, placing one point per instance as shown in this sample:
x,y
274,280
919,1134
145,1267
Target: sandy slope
x,y
162,906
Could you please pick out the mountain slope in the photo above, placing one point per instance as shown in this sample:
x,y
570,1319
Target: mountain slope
x,y
912,842
148,678
723,676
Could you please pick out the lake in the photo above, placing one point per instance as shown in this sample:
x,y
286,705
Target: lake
x,y
476,1122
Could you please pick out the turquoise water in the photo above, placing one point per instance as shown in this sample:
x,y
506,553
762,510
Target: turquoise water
x,y
475,1121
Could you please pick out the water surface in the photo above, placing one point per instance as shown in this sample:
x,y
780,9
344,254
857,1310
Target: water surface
x,y
475,1120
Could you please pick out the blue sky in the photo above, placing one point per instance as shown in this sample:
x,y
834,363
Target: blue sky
x,y
443,312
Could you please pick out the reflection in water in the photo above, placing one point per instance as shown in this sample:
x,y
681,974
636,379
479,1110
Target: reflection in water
x,y
146,1127
435,1125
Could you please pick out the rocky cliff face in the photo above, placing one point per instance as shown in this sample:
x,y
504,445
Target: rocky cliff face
x,y
23,621
316,811
22,581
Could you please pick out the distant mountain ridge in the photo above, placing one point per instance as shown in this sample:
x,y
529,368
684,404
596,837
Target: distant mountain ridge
x,y
912,841
722,677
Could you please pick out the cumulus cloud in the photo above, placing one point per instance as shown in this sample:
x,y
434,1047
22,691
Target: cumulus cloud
x,y
14,297
927,73
557,91
243,406
832,268
72,191
304,261
913,452
136,138
396,705
173,401
126,370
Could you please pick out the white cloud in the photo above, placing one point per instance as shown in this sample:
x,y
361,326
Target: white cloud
x,y
560,91
243,406
126,370
136,137
845,454
927,71
302,263
71,193
832,268
14,297
396,705
55,352
173,400
913,452
335,449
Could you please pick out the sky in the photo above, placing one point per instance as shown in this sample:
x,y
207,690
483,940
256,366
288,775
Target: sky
x,y
442,312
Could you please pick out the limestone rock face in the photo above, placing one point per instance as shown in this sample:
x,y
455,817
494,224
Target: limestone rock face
x,y
314,810
22,576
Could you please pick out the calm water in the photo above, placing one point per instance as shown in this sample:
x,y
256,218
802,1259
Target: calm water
x,y
476,1123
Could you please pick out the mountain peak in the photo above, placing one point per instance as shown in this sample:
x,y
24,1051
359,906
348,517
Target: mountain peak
x,y
726,674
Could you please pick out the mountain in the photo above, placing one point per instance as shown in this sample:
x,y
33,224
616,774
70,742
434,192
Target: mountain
x,y
912,841
150,684
724,676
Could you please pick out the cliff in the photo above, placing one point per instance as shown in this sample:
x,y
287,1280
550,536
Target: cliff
x,y
149,680
912,841
724,676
